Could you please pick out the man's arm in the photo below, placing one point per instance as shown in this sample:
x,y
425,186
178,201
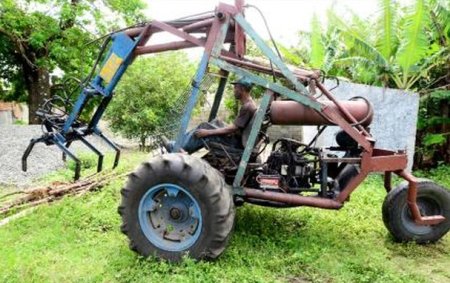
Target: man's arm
x,y
201,133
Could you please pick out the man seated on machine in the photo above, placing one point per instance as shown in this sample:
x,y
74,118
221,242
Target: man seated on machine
x,y
216,130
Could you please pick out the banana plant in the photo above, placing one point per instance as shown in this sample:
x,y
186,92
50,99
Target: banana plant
x,y
398,50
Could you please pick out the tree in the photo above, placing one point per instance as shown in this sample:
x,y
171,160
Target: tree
x,y
146,96
399,52
39,36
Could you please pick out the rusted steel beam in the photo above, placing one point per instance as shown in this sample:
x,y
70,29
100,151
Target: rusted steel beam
x,y
257,67
349,160
292,199
145,35
198,25
215,32
133,32
175,45
377,160
412,201
177,32
239,35
388,163
311,74
384,152
352,185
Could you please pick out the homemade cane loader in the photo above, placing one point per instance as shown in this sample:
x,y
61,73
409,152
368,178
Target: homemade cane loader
x,y
177,203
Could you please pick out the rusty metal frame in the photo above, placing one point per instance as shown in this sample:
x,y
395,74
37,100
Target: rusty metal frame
x,y
372,159
227,25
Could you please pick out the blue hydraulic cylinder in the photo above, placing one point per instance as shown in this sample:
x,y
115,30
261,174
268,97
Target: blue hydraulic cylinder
x,y
113,67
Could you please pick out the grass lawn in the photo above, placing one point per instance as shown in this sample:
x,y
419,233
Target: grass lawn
x,y
78,240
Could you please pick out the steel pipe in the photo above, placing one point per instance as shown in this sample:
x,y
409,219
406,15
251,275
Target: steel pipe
x,y
294,113
198,25
176,45
292,199
256,66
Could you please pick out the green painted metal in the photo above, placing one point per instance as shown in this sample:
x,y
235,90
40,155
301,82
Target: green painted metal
x,y
260,113
192,101
218,96
202,69
218,45
270,54
305,100
217,48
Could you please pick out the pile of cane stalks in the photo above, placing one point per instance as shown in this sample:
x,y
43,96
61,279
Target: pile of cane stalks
x,y
19,203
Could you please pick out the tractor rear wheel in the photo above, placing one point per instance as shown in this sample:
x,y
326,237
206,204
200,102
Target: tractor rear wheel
x,y
177,204
432,199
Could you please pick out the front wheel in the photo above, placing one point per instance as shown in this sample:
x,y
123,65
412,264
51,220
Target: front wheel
x,y
432,199
174,205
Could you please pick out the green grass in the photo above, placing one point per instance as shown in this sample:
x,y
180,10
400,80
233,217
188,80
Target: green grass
x,y
78,240
128,161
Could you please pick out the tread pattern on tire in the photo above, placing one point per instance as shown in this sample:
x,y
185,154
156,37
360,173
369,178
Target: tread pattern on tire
x,y
206,185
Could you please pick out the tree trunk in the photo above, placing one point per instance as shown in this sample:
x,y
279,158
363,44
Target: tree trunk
x,y
142,143
38,86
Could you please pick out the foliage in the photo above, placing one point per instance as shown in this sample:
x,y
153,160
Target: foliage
x,y
434,129
19,122
147,92
42,36
78,239
317,46
399,54
405,47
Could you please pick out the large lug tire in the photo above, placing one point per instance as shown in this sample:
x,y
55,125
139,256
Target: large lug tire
x,y
432,199
174,205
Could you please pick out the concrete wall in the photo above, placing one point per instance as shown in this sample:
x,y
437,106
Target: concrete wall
x,y
6,118
293,132
394,122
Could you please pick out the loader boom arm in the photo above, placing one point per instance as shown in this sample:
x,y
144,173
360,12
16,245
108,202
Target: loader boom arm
x,y
209,31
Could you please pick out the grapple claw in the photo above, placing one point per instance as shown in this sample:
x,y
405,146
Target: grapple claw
x,y
26,154
111,144
60,116
96,151
73,157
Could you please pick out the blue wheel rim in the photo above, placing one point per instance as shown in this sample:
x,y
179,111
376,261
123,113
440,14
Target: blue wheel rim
x,y
170,217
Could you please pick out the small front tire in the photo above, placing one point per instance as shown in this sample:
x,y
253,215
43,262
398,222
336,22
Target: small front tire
x,y
432,199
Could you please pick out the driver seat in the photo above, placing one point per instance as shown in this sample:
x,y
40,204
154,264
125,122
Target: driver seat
x,y
232,155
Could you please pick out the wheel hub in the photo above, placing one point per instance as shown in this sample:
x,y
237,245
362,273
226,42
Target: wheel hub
x,y
170,217
175,213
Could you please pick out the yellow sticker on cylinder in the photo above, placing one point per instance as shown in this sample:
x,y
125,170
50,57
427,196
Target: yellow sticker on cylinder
x,y
110,68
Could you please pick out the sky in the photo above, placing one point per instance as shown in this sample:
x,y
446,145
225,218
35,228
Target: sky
x,y
285,17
